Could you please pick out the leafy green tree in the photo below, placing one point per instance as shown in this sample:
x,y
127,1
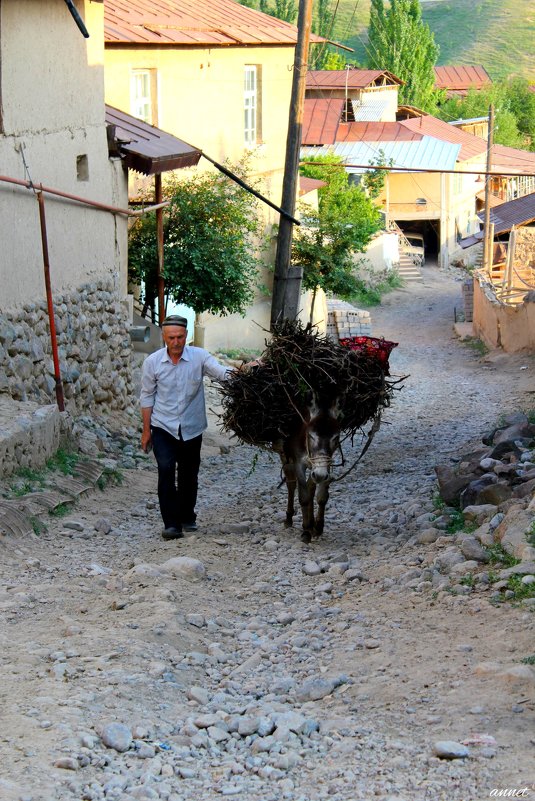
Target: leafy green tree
x,y
282,9
399,41
211,236
327,241
514,111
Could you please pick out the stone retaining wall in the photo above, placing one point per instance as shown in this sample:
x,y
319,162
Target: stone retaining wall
x,y
92,325
29,434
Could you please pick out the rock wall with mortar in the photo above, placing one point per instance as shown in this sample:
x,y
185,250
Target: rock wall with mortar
x,y
92,326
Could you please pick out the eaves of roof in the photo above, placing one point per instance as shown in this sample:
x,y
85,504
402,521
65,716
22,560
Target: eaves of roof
x,y
375,132
512,159
352,78
520,211
188,22
148,149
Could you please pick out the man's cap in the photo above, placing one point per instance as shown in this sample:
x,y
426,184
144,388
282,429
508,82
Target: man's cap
x,y
175,319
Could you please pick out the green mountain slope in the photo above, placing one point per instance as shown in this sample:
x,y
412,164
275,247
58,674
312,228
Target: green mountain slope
x,y
499,34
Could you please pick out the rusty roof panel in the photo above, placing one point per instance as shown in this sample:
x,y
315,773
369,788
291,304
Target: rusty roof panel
x,y
459,77
353,78
307,184
148,149
520,211
188,22
375,132
428,125
321,118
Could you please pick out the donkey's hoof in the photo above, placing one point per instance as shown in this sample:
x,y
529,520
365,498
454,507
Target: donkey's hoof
x,y
288,523
306,536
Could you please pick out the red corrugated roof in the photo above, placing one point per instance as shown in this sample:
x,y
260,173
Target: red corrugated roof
x,y
190,22
460,77
431,126
321,118
375,132
356,79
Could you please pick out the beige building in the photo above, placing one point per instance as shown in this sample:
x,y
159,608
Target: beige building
x,y
219,77
52,131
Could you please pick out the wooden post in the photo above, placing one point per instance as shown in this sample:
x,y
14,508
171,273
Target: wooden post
x,y
158,195
487,247
510,260
287,280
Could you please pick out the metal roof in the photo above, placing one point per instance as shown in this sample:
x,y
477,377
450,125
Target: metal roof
x,y
520,211
190,22
511,159
375,132
307,184
460,78
352,78
148,149
321,117
369,108
471,145
426,153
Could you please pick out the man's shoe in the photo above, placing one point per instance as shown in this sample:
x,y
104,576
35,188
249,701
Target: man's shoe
x,y
172,533
190,526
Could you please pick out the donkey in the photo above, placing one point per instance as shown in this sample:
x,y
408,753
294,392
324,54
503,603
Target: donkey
x,y
306,457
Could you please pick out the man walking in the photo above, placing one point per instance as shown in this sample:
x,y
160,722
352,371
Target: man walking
x,y
174,417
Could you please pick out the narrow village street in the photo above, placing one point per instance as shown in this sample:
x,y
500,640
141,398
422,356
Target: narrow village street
x,y
260,667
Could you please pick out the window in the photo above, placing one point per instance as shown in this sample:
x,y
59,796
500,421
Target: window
x,y
251,105
143,95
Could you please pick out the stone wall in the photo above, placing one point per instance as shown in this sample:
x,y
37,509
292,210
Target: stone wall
x,y
94,348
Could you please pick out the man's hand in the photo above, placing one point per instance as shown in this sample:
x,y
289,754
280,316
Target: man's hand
x,y
146,441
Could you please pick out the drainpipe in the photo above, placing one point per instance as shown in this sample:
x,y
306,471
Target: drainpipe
x,y
50,305
159,240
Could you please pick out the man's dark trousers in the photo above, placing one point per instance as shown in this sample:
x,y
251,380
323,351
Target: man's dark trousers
x,y
178,469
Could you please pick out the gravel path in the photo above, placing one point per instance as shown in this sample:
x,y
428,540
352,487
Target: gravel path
x,y
241,662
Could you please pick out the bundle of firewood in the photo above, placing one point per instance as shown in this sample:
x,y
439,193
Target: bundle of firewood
x,y
299,366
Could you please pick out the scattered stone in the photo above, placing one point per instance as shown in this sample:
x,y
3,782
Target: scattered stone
x,y
449,749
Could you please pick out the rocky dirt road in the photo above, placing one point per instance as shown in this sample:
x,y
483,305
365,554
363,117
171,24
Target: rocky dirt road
x,y
241,662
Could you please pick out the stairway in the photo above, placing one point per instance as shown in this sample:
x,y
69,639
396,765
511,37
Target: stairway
x,y
407,269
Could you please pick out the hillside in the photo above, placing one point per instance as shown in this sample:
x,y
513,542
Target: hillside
x,y
499,34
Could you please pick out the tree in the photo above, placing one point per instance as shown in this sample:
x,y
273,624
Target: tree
x,y
514,108
327,241
399,41
211,236
283,9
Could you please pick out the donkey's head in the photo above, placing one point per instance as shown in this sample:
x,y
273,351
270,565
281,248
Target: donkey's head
x,y
322,431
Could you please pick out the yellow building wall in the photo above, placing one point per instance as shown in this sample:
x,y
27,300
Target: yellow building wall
x,y
200,99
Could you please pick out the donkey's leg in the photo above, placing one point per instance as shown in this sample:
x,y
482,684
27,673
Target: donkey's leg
x,y
322,498
291,484
306,499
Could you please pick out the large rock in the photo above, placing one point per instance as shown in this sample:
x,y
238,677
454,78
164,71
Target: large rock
x,y
470,495
184,566
512,531
450,485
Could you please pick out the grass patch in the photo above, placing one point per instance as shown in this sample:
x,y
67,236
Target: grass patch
x,y
521,591
528,660
476,345
498,555
110,476
64,462
38,526
61,510
374,287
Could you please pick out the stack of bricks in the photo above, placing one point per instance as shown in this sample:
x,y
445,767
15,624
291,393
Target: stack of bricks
x,y
345,320
468,299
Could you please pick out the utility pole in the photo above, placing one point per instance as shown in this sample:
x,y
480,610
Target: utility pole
x,y
488,237
287,279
